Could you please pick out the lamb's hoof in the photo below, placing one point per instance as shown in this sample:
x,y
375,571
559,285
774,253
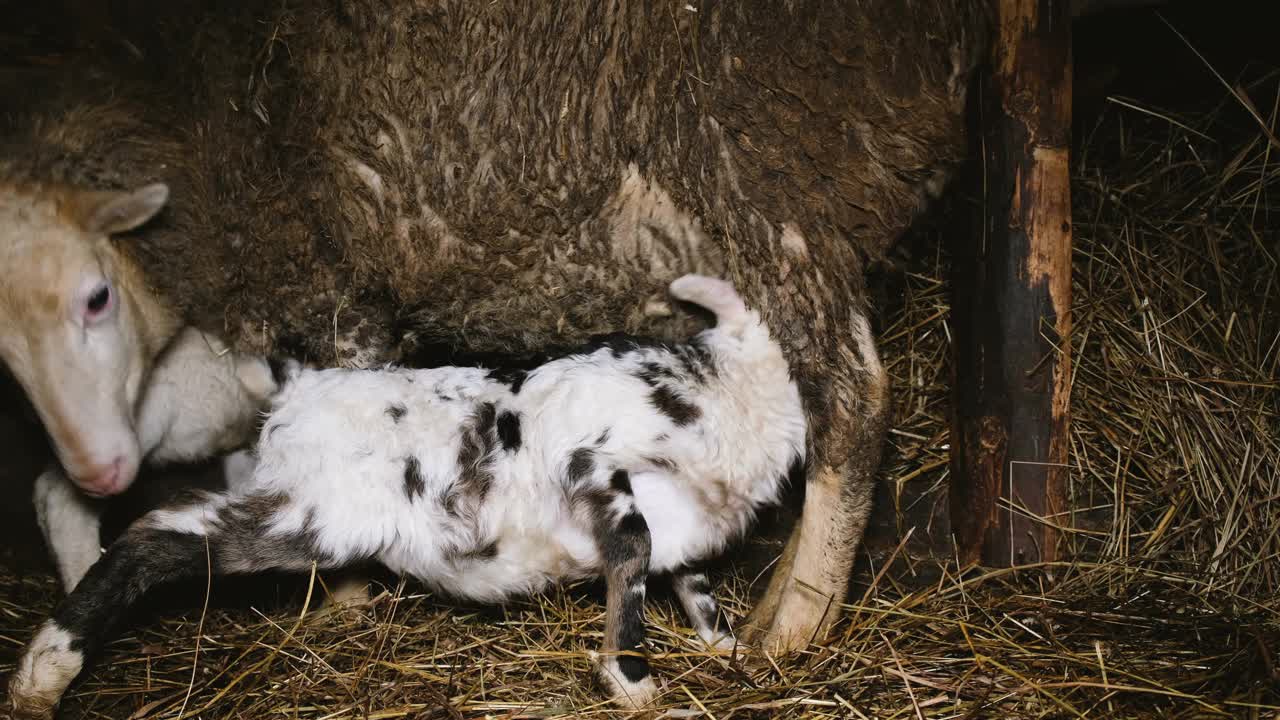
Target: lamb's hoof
x,y
46,669
634,695
724,643
20,711
630,684
349,594
352,592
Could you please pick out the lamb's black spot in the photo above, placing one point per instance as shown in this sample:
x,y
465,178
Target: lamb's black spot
x,y
414,483
273,427
620,481
673,406
396,411
621,542
631,632
281,365
443,397
475,461
487,552
618,344
513,377
699,584
449,501
797,472
632,524
509,430
652,374
634,668
597,499
697,360
486,414
279,368
518,382
604,437
581,463
245,539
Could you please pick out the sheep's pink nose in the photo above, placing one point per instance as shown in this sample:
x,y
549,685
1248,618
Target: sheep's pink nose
x,y
104,481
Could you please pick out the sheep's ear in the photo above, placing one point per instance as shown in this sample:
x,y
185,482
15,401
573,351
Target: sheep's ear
x,y
108,213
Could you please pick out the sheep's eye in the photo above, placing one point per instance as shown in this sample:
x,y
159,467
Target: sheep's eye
x,y
98,300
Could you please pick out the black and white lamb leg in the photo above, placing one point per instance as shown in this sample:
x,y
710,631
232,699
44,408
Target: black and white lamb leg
x,y
712,625
240,534
623,538
70,522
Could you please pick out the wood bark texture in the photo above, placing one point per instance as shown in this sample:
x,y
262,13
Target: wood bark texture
x,y
1013,302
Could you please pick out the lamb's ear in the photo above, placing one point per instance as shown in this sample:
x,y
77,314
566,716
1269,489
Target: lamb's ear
x,y
109,213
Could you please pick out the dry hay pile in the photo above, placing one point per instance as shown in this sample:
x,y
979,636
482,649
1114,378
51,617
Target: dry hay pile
x,y
1172,612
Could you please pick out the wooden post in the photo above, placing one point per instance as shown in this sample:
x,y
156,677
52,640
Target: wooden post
x,y
1013,300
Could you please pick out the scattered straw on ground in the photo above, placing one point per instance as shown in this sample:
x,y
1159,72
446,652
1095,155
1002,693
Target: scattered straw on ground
x,y
1172,612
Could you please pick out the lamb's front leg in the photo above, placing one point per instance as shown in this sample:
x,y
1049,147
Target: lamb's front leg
x,y
240,534
694,591
623,538
70,522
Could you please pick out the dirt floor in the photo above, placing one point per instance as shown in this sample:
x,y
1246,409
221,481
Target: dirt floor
x,y
1171,609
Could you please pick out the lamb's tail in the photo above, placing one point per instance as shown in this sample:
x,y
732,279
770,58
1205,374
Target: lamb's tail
x,y
718,296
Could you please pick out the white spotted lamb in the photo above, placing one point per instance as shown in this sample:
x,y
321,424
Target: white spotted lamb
x,y
623,459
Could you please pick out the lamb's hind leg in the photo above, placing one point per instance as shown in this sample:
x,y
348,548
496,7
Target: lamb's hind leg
x,y
240,534
622,536
694,591
811,578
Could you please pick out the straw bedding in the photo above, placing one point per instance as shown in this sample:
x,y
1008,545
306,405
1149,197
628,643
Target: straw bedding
x,y
1171,609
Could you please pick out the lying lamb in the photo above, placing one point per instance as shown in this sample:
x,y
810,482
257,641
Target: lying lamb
x,y
629,458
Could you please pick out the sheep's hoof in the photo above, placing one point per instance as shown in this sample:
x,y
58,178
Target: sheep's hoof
x,y
798,621
790,615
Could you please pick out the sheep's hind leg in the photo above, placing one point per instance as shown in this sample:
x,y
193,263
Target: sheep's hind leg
x,y
623,538
237,534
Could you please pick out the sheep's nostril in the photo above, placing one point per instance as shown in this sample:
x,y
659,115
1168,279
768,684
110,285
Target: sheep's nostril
x,y
105,480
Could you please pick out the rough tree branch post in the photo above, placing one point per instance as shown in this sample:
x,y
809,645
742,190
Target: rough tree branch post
x,y
1013,304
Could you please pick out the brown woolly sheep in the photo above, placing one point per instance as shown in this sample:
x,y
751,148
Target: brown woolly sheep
x,y
365,181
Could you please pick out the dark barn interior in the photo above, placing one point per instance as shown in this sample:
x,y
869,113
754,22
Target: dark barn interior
x,y
1164,599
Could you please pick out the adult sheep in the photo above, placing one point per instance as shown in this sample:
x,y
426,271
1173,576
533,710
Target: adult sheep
x,y
368,178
